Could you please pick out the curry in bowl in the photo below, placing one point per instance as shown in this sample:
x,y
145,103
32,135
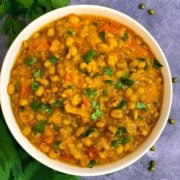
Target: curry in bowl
x,y
86,90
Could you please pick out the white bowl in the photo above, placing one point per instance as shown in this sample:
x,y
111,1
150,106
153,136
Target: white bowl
x,y
11,121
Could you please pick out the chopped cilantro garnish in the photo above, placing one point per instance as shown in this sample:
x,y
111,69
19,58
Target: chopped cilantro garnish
x,y
89,56
105,92
56,144
30,61
121,131
102,35
90,92
88,132
126,81
141,106
35,105
95,24
38,73
58,103
141,59
70,32
156,64
108,81
125,36
121,104
120,85
35,86
46,108
97,113
108,71
91,164
39,126
121,140
95,75
53,59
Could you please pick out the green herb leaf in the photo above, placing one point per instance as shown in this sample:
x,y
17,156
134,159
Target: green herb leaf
x,y
90,92
156,64
35,105
105,92
88,132
38,73
30,61
141,59
58,103
126,81
120,85
141,106
121,104
125,36
46,108
56,144
70,32
59,3
39,126
95,105
102,35
96,75
9,157
55,127
91,164
89,56
108,71
25,3
96,114
121,140
35,86
121,131
53,59
108,81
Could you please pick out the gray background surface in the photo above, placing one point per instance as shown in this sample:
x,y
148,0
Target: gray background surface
x,y
165,27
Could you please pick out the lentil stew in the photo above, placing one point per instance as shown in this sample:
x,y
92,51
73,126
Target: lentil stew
x,y
86,90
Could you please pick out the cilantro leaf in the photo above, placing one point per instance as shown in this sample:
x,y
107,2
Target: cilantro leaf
x,y
39,126
25,3
56,144
46,108
91,163
35,105
121,131
120,85
121,140
53,59
102,35
58,103
30,61
125,36
90,92
38,73
156,64
121,104
88,132
59,3
70,32
95,105
89,56
35,86
141,59
141,106
108,71
105,92
126,81
108,81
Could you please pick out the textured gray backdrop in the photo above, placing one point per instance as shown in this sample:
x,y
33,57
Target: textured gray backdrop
x,y
165,27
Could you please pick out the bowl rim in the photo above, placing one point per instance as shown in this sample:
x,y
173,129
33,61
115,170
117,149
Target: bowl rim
x,y
35,153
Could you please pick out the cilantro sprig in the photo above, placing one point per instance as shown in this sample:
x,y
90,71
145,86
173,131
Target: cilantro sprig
x,y
18,13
